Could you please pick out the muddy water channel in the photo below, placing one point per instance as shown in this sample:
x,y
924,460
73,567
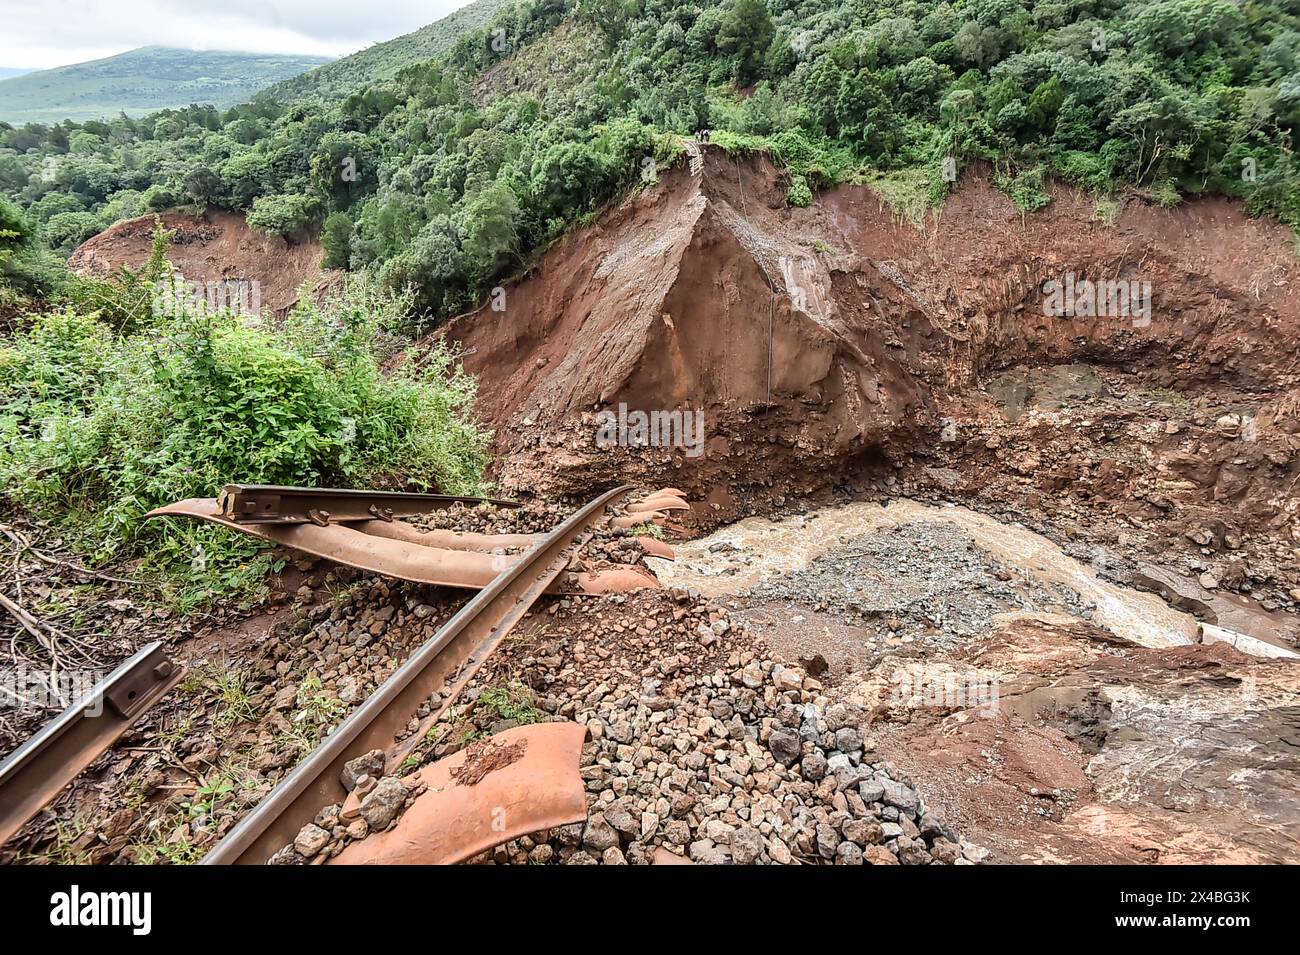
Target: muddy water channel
x,y
1105,724
872,559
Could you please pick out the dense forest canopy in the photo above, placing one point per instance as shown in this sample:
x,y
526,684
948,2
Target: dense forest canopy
x,y
445,178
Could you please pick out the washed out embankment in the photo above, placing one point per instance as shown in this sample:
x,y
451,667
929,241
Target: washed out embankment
x,y
217,247
838,345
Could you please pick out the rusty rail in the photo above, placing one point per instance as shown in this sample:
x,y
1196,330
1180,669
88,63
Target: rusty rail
x,y
37,771
455,653
359,529
348,543
275,504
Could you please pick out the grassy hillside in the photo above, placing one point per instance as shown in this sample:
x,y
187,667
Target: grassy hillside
x,y
143,80
382,60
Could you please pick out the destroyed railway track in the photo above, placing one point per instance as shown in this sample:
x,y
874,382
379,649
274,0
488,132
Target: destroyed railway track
x,y
451,656
359,528
38,770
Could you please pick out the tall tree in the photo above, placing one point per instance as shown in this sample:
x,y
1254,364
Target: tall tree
x,y
747,32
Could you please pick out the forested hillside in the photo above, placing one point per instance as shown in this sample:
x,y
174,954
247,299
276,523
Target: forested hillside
x,y
449,176
141,81
383,61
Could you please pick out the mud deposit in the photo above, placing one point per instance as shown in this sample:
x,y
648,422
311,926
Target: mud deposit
x,y
1056,715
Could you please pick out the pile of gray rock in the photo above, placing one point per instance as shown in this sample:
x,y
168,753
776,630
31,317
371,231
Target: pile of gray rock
x,y
374,803
705,745
924,580
701,743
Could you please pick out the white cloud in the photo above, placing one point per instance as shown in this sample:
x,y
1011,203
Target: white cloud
x,y
52,33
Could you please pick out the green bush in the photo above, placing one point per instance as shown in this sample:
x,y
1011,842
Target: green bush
x,y
98,426
799,194
27,271
336,238
283,215
1026,189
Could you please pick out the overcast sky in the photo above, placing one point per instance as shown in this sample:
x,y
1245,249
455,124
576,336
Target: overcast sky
x,y
39,34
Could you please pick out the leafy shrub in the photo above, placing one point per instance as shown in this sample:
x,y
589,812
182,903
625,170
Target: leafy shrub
x,y
27,272
1026,189
67,230
799,194
336,239
98,426
283,214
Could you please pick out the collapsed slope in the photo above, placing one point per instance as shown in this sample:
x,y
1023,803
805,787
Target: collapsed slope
x,y
695,295
218,246
835,343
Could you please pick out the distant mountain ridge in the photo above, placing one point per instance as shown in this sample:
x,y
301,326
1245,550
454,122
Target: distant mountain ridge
x,y
383,60
143,80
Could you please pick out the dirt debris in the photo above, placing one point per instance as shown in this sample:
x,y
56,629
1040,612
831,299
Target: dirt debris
x,y
216,247
485,756
1035,721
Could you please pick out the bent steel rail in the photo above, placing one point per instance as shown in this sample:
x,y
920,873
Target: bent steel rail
x,y
356,531
347,544
454,653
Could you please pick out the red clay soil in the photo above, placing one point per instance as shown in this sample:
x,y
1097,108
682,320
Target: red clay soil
x,y
878,334
219,246
1104,752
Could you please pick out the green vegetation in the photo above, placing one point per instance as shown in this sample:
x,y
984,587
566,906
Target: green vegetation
x,y
27,270
910,193
383,61
447,176
230,686
514,702
316,708
108,413
141,81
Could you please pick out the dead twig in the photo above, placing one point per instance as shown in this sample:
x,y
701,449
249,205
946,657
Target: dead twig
x,y
30,624
26,545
